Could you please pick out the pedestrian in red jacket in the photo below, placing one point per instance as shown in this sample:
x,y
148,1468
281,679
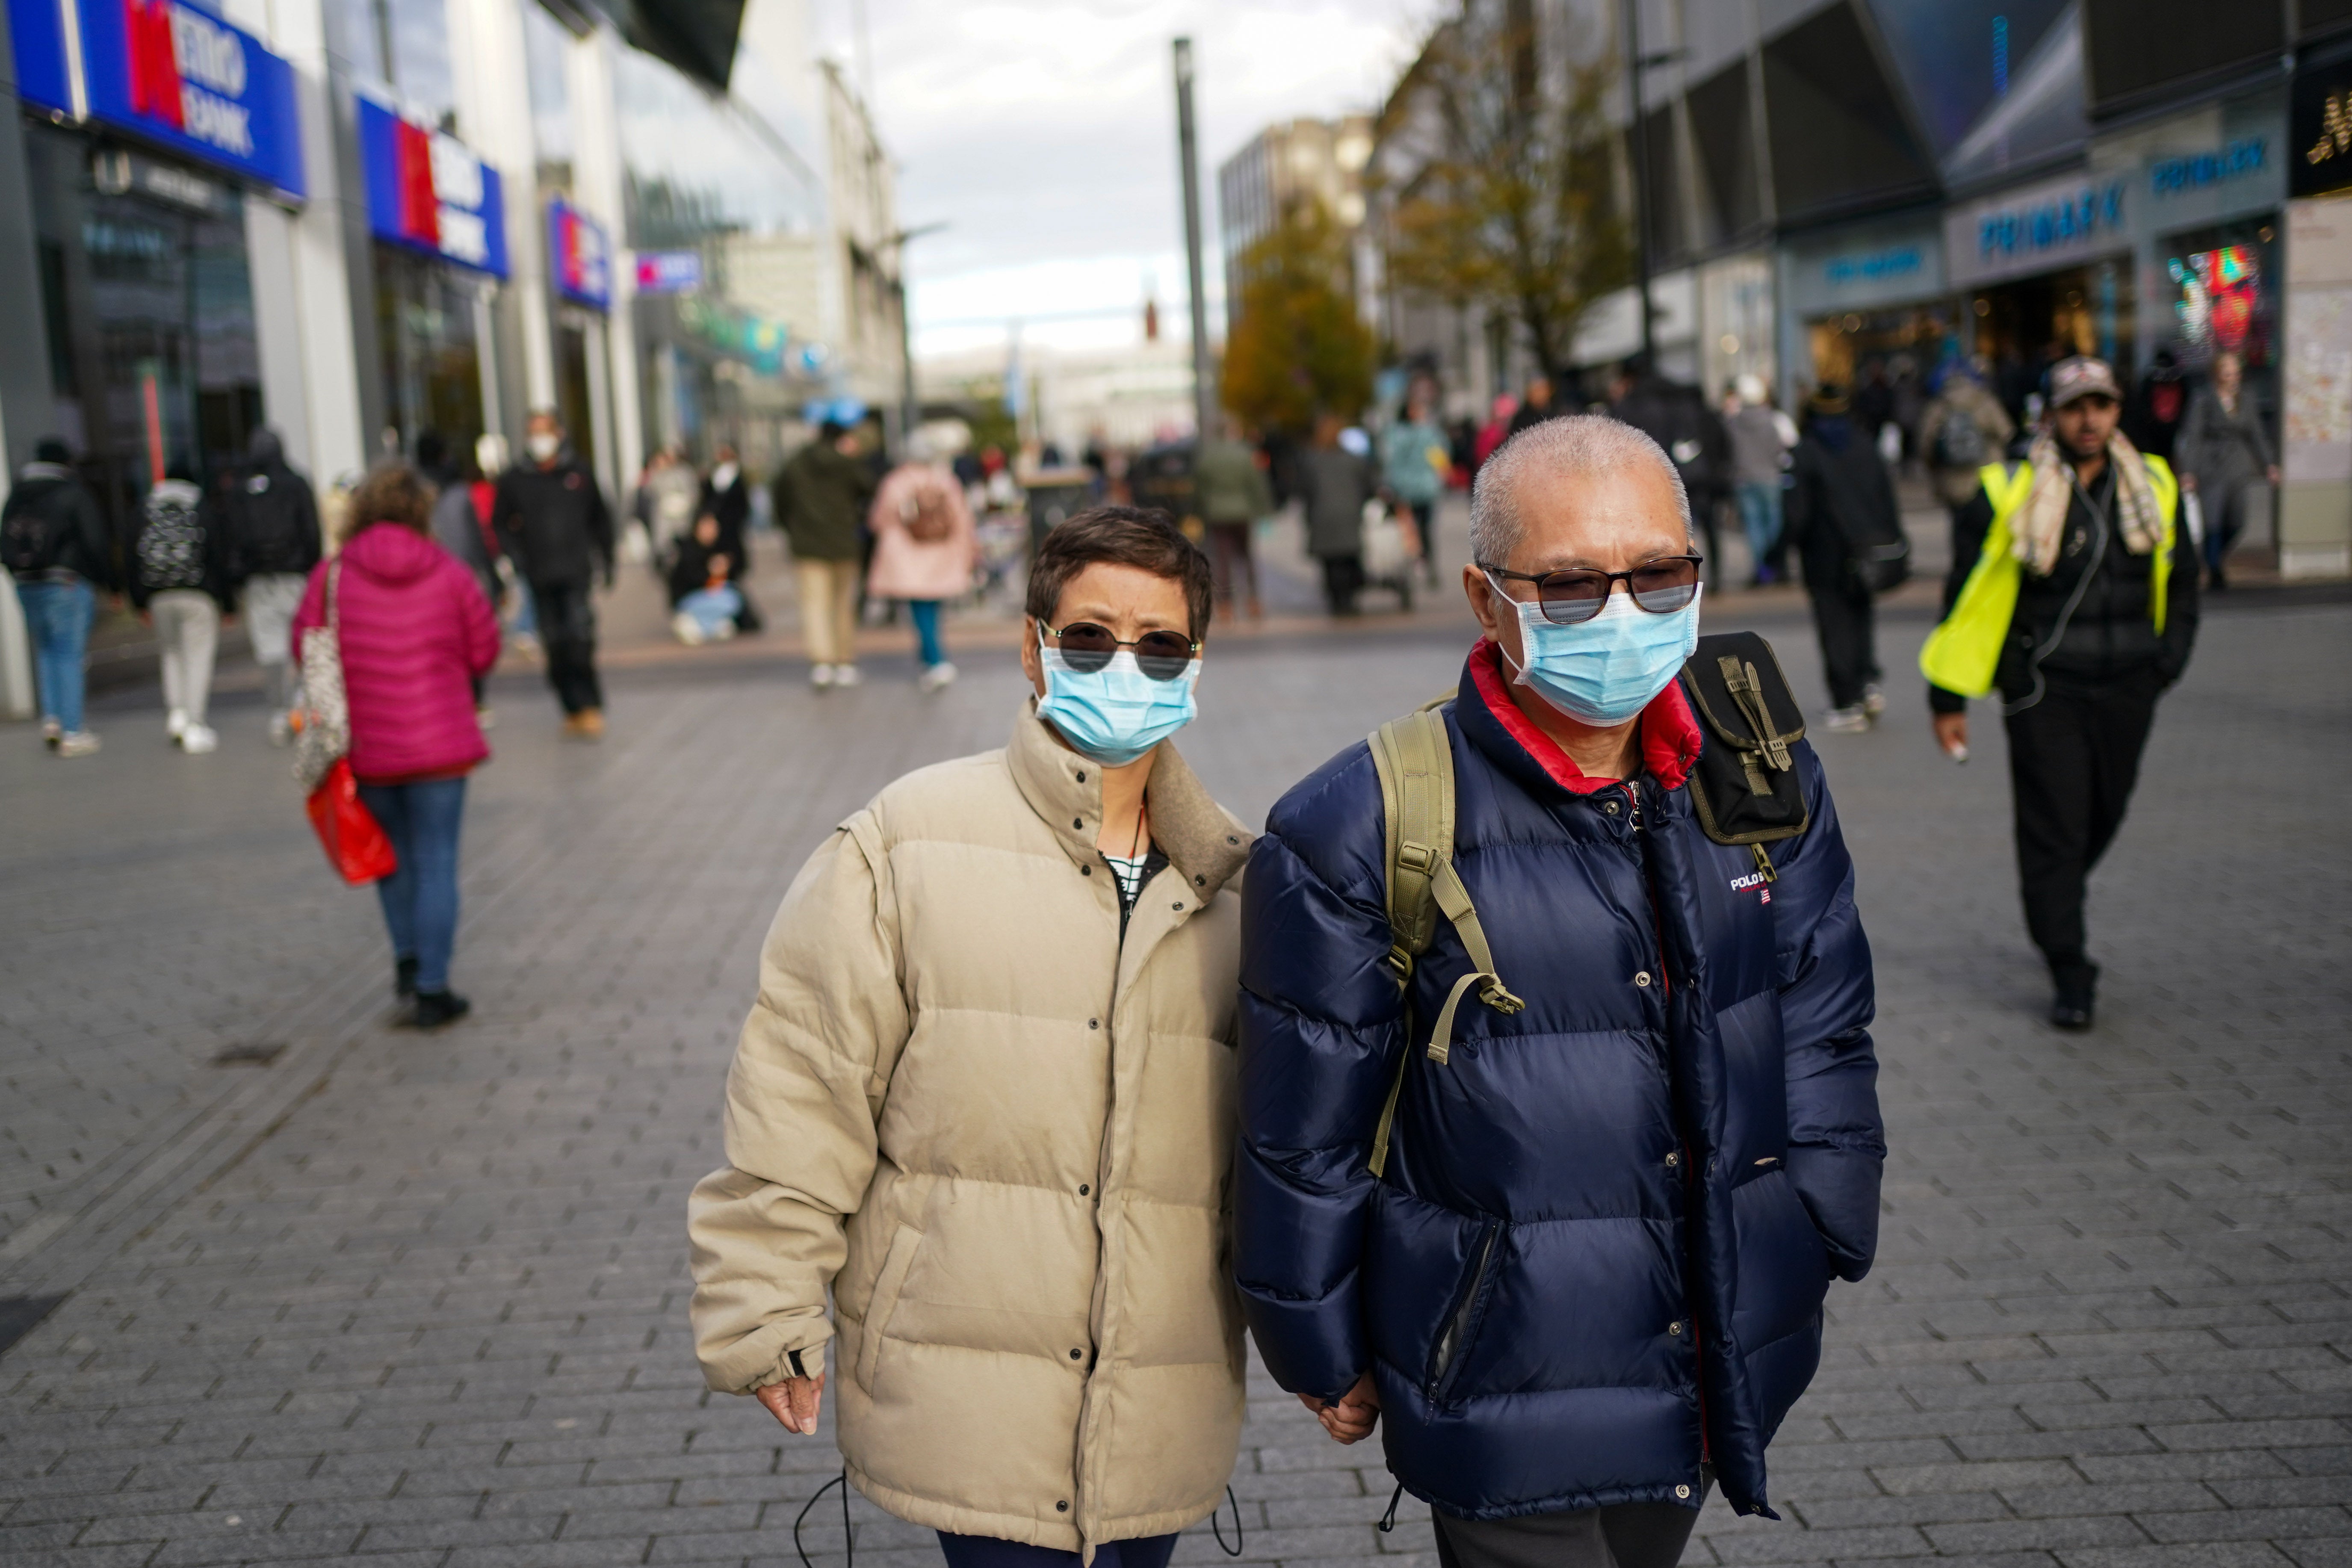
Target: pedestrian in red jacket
x,y
414,631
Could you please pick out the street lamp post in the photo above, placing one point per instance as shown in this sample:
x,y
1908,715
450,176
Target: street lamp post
x,y
1204,401
910,410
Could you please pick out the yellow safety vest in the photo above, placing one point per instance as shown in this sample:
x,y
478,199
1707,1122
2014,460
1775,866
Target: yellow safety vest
x,y
1962,654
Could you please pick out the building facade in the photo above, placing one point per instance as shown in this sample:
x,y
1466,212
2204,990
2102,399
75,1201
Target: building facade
x,y
1315,163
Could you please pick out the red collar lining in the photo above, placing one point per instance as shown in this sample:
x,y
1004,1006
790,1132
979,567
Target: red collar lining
x,y
1669,731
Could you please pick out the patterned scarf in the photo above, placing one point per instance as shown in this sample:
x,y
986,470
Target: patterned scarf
x,y
2040,527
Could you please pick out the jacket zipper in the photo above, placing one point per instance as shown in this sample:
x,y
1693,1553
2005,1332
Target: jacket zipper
x,y
1690,1165
1449,1343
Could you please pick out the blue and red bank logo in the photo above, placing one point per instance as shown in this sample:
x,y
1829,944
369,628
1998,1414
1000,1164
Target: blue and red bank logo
x,y
170,73
426,191
579,255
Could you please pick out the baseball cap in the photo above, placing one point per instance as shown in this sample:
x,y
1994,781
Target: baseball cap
x,y
2082,376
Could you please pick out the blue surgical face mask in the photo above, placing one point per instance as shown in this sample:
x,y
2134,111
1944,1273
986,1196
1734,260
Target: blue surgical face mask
x,y
1607,669
1117,713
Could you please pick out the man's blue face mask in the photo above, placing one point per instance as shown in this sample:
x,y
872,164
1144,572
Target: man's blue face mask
x,y
1117,713
1607,669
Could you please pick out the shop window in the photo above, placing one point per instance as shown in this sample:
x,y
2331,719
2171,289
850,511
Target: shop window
x,y
1662,190
1839,137
547,53
425,322
2143,50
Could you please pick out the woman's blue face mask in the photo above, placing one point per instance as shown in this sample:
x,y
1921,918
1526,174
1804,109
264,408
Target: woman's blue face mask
x,y
1117,713
1607,669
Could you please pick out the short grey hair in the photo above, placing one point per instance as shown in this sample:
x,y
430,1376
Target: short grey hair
x,y
1573,444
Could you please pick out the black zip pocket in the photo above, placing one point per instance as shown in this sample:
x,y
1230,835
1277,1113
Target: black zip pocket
x,y
1451,1338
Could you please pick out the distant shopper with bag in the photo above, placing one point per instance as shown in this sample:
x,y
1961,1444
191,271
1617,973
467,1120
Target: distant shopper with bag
x,y
414,631
54,542
271,520
925,547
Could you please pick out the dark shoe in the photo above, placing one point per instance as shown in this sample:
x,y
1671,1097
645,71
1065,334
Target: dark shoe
x,y
2077,994
403,978
432,1009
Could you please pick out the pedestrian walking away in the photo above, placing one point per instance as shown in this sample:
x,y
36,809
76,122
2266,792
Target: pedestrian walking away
x,y
1334,484
2076,599
925,548
1848,528
985,1107
1759,458
1231,488
821,498
271,518
58,551
1961,431
416,633
1414,466
1678,418
1535,407
179,579
1558,1196
2227,458
552,522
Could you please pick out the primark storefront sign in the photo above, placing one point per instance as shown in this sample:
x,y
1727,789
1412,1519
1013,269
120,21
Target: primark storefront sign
x,y
2038,229
171,74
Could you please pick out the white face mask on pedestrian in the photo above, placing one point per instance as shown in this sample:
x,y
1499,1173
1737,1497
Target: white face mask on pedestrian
x,y
544,446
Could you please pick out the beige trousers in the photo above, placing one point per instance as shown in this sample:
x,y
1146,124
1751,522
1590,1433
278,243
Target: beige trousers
x,y
829,610
187,631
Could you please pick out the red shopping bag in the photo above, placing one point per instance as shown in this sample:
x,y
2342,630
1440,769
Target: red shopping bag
x,y
353,839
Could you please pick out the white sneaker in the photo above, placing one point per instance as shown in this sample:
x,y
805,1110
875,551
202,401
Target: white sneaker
x,y
819,675
845,675
175,723
686,629
281,729
936,675
1873,700
79,743
1854,720
198,738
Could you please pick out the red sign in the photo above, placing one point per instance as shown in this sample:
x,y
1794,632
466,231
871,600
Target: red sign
x,y
420,208
154,63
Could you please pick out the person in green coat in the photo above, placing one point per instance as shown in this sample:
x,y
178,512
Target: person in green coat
x,y
1233,494
821,498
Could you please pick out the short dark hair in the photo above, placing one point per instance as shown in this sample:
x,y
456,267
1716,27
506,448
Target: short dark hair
x,y
393,491
1141,537
51,449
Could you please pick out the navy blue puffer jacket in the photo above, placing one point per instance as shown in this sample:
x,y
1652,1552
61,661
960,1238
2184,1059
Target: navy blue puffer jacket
x,y
1606,1225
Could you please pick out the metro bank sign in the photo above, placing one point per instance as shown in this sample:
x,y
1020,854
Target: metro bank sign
x,y
426,191
168,72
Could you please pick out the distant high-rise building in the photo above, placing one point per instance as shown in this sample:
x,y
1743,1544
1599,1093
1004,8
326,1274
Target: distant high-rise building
x,y
1321,161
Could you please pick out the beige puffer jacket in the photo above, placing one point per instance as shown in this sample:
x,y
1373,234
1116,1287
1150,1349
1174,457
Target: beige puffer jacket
x,y
1003,1140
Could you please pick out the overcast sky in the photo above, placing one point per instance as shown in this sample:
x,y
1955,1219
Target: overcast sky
x,y
1044,133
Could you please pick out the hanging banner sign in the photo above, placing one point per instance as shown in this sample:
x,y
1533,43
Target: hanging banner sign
x,y
582,259
427,191
171,74
668,271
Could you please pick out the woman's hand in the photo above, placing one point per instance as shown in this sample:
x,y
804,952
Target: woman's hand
x,y
794,1402
1352,1418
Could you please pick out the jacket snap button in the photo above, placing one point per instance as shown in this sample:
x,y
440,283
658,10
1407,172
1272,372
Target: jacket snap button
x,y
1077,1355
1083,1188
1642,978
1179,904
1061,1507
1231,839
1094,1023
1200,881
1611,808
1082,775
1682,1490
1673,1158
1674,1328
1077,822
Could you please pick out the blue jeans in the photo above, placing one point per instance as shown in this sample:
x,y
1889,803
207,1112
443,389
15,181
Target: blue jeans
x,y
987,1551
925,614
58,617
1759,514
420,898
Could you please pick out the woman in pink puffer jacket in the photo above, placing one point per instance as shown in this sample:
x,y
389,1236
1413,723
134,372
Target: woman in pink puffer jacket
x,y
415,632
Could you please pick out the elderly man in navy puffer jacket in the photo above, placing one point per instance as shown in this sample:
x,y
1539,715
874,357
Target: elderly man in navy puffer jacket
x,y
1589,1283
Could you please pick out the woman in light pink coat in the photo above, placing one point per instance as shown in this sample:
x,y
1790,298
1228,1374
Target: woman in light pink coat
x,y
925,548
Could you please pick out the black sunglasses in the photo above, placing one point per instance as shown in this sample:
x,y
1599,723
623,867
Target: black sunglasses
x,y
1087,647
1577,594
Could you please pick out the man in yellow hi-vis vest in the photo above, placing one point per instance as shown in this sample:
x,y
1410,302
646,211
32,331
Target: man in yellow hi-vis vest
x,y
2072,593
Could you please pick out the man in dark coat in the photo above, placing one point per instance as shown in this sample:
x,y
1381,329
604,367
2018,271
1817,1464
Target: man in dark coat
x,y
55,544
821,499
272,521
1841,511
552,522
727,500
1679,418
1588,1280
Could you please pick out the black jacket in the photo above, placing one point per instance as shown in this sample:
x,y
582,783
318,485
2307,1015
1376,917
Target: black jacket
x,y
1680,420
554,521
732,507
689,569
269,516
1840,502
2111,636
78,540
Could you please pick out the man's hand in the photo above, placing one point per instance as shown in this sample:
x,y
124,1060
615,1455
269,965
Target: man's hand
x,y
1350,1418
794,1402
1952,735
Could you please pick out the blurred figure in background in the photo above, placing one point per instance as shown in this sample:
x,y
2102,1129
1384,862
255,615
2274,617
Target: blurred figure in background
x,y
461,525
271,518
669,494
1678,418
1537,407
821,495
925,548
552,522
1963,429
180,580
56,545
727,500
1759,456
1840,503
704,602
1413,465
1334,484
2153,414
415,632
1232,494
2224,458
1494,432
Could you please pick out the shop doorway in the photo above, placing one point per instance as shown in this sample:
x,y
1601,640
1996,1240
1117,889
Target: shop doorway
x,y
575,388
2025,327
429,319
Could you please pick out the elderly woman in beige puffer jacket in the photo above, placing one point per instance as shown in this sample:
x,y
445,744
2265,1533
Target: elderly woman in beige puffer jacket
x,y
986,1098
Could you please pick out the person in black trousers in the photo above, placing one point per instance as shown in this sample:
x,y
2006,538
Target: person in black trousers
x,y
552,522
1839,504
2105,614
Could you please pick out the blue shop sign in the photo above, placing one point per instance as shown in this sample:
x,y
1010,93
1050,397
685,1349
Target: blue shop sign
x,y
427,191
2241,160
2061,224
2030,231
1873,266
170,73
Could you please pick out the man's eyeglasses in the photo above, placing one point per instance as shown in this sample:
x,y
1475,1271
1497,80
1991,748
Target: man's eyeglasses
x,y
1087,647
1577,594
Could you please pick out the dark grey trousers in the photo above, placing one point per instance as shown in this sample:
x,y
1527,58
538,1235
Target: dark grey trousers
x,y
1627,1535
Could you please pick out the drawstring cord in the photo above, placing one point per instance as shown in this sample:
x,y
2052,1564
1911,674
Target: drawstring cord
x,y
848,1546
1388,1520
1217,1523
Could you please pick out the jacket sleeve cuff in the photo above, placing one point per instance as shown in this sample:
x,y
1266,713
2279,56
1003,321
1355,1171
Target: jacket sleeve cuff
x,y
1942,701
793,1348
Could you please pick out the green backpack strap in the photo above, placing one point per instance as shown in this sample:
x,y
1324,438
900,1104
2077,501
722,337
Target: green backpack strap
x,y
1415,760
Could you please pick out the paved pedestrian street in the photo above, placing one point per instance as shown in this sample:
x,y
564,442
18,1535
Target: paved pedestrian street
x,y
331,1291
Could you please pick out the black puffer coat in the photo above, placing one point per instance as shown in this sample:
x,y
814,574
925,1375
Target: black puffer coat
x,y
1608,1223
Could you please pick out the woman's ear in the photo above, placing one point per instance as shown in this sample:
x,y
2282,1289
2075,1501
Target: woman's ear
x,y
1031,665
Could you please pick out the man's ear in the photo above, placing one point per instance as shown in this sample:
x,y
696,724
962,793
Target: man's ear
x,y
1031,665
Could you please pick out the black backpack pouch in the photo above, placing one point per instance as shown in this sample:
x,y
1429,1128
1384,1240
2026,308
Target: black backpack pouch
x,y
1744,789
